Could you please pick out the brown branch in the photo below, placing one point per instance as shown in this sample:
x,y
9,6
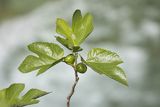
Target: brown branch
x,y
75,83
73,89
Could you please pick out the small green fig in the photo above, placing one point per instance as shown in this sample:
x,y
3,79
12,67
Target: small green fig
x,y
69,59
81,68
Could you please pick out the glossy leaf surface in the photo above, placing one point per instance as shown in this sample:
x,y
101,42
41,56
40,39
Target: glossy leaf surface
x,y
75,35
49,54
63,28
106,62
64,42
82,27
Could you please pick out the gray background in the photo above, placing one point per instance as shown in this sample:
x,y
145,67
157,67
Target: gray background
x,y
129,27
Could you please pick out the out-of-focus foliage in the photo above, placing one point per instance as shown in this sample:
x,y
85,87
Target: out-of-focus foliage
x,y
10,8
10,97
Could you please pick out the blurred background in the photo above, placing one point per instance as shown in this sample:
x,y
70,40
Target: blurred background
x,y
129,27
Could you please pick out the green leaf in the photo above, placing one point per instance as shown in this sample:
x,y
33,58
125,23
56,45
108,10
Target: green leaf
x,y
10,97
106,62
48,55
44,68
81,28
32,94
13,92
2,94
76,20
99,55
63,28
64,42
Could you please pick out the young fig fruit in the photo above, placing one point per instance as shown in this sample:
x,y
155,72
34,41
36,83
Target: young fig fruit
x,y
69,59
81,68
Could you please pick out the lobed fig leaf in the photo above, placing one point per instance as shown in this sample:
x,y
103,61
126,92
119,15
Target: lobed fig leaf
x,y
10,97
49,54
106,62
75,35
